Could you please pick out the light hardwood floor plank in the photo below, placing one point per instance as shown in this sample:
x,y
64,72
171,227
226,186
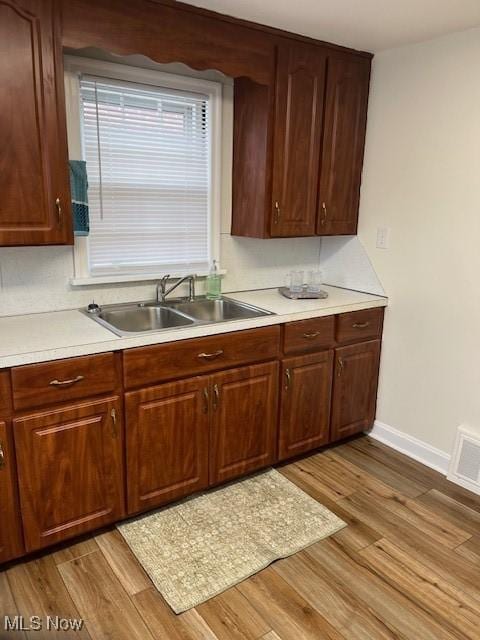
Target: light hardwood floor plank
x,y
231,617
328,596
163,623
334,481
122,562
38,590
423,519
436,556
451,510
397,611
8,607
289,615
451,607
470,550
101,599
394,479
74,550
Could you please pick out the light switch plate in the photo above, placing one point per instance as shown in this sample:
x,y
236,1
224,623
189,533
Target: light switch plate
x,y
383,237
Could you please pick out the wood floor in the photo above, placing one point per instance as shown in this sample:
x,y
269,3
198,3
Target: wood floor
x,y
407,566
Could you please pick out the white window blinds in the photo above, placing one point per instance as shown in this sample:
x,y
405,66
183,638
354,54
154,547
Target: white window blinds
x,y
147,150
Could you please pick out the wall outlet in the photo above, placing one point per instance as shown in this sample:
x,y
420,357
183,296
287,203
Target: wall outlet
x,y
383,237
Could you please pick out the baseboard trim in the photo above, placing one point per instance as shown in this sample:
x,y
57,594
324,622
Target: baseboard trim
x,y
410,446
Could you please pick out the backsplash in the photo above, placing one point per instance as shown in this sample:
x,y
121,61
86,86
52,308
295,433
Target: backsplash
x,y
36,279
345,263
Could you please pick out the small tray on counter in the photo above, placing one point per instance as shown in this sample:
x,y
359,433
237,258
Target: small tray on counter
x,y
303,294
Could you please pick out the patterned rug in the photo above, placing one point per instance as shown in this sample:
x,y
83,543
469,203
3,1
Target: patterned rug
x,y
200,547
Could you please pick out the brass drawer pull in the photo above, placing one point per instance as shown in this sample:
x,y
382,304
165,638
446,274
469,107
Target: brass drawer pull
x,y
340,367
206,400
58,206
310,336
209,356
2,456
361,325
323,219
113,415
216,397
288,379
276,217
64,383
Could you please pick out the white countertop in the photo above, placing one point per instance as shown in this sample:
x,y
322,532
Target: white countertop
x,y
42,337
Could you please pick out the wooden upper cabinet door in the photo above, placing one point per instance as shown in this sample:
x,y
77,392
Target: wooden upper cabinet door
x,y
70,469
244,421
343,143
305,406
296,149
11,544
354,388
33,149
167,442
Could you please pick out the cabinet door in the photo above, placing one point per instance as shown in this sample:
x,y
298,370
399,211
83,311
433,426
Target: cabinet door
x,y
33,151
298,127
305,406
11,544
244,421
70,469
355,388
167,442
343,144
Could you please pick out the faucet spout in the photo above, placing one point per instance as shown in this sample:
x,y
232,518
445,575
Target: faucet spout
x,y
163,292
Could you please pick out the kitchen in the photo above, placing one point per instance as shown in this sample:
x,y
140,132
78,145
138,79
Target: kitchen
x,y
273,176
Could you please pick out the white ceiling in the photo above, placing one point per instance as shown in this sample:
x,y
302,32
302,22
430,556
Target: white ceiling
x,y
371,25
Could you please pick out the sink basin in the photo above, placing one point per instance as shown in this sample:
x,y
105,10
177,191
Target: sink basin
x,y
144,317
221,310
133,319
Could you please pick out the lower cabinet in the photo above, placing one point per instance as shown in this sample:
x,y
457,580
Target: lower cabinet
x,y
184,436
181,436
11,544
70,470
305,405
167,442
354,388
244,421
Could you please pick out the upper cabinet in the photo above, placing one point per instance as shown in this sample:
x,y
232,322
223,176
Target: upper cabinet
x,y
34,205
320,113
296,147
343,143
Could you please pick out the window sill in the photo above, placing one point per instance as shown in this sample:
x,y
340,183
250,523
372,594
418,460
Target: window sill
x,y
89,281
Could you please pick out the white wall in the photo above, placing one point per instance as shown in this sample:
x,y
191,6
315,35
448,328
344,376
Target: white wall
x,y
422,179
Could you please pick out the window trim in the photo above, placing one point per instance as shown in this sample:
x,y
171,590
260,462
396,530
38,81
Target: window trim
x,y
76,66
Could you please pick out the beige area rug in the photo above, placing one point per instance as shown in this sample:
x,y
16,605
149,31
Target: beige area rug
x,y
196,549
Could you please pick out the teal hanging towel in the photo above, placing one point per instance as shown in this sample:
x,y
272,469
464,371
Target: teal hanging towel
x,y
79,189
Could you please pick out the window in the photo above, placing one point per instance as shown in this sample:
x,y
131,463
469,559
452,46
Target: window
x,y
151,148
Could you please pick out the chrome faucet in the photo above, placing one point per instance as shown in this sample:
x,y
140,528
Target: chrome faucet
x,y
162,291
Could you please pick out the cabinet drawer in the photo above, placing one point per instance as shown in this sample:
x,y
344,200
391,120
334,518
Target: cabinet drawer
x,y
52,382
309,335
148,365
359,325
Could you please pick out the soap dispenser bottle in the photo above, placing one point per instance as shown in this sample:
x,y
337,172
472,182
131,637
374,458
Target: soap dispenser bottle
x,y
214,283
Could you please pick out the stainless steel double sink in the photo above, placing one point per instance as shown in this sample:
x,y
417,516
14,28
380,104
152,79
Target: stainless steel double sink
x,y
144,317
